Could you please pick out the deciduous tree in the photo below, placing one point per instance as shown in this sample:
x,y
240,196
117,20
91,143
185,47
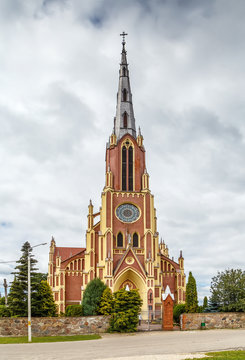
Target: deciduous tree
x,y
228,290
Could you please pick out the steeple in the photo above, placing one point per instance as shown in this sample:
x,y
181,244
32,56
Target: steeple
x,y
124,121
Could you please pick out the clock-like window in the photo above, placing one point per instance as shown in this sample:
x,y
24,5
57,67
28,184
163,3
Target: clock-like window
x,y
127,213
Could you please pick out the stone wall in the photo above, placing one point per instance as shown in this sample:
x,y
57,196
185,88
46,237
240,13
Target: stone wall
x,y
230,320
55,326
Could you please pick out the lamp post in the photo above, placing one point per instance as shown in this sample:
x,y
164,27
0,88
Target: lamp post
x,y
29,290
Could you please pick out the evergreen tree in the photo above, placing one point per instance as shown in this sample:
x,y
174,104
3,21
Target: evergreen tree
x,y
4,311
126,308
191,295
17,299
205,303
45,305
2,300
106,302
92,296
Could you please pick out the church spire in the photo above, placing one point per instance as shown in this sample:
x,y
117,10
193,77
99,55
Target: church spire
x,y
124,120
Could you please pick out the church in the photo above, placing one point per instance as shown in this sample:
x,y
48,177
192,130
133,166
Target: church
x,y
122,241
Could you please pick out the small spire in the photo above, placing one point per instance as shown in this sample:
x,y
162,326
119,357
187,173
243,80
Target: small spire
x,y
180,254
139,131
90,203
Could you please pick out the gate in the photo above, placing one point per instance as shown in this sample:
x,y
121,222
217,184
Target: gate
x,y
151,320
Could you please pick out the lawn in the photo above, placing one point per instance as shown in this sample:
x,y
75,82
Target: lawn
x,y
225,355
24,339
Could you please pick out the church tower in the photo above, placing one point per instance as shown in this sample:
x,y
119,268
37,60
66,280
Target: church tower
x,y
122,247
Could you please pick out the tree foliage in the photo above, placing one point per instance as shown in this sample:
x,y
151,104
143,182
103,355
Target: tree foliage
x,y
228,290
205,302
126,308
74,310
45,304
106,302
2,300
92,296
178,310
191,295
4,311
17,298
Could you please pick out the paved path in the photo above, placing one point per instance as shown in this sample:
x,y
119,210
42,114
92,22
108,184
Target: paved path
x,y
157,345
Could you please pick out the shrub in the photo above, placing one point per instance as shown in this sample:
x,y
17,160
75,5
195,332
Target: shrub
x,y
126,308
4,311
74,310
178,310
106,302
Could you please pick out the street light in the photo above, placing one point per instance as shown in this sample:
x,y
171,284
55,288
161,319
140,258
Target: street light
x,y
29,290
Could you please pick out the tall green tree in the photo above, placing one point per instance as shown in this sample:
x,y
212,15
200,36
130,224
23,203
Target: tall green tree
x,y
106,302
45,305
42,302
205,302
92,296
17,299
191,295
228,290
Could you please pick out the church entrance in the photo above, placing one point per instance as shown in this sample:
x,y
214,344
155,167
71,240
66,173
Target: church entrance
x,y
128,284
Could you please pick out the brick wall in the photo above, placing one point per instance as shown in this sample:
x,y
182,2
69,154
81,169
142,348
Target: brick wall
x,y
54,326
230,320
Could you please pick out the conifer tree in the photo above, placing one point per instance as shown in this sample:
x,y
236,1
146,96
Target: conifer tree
x,y
191,295
17,298
106,302
45,305
42,304
205,303
92,296
126,308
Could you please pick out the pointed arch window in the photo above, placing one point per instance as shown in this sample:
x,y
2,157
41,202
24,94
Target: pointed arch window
x,y
135,240
130,168
124,71
127,168
125,120
124,95
124,168
119,240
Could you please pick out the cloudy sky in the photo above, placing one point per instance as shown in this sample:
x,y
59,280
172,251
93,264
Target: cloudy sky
x,y
59,63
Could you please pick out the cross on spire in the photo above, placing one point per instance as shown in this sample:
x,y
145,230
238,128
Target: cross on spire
x,y
123,35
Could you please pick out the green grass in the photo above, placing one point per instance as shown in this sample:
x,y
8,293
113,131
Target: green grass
x,y
225,355
42,339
